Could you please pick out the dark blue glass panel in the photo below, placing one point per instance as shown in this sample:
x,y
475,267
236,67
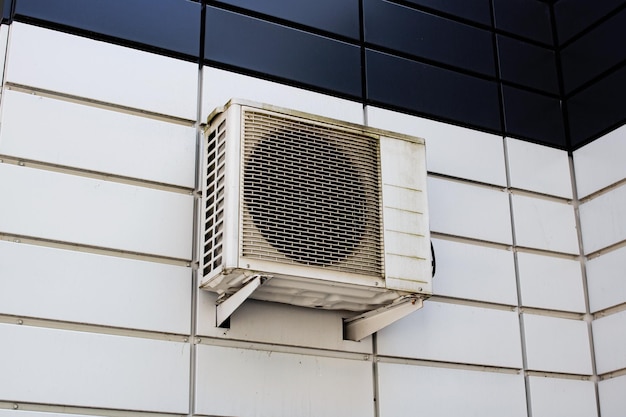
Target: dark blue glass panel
x,y
172,25
5,7
573,16
533,116
476,10
528,65
282,52
337,16
426,89
428,36
598,108
527,18
595,52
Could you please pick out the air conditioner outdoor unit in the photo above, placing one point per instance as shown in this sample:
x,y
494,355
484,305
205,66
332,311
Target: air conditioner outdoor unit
x,y
318,212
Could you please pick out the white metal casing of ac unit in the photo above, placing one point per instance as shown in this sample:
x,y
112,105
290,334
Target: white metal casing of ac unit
x,y
334,214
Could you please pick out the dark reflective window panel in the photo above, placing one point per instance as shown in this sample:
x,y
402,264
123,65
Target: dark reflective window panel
x,y
476,10
428,36
337,16
574,16
598,108
533,116
594,53
5,8
172,25
527,64
443,94
275,50
527,18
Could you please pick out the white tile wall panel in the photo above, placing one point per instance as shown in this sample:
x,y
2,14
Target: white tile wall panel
x,y
237,382
406,390
282,324
455,333
601,163
81,136
539,168
450,150
219,86
603,220
88,211
606,280
609,340
468,210
51,366
553,397
557,345
474,272
96,289
551,283
545,224
612,398
73,65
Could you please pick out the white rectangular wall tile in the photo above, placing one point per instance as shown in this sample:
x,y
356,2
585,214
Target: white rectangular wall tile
x,y
94,212
539,168
606,280
237,382
81,287
551,282
69,64
601,163
467,210
603,220
557,345
450,150
455,333
81,136
219,86
612,398
553,397
609,340
474,272
280,324
406,390
52,366
545,224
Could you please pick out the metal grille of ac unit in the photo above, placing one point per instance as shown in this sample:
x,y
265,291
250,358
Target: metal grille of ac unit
x,y
214,191
311,194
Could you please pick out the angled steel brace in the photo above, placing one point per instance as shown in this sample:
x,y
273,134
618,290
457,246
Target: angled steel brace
x,y
356,328
228,306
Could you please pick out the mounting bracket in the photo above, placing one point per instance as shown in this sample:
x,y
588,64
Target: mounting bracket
x,y
356,328
225,308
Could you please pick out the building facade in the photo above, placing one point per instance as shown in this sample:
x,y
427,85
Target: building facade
x,y
520,103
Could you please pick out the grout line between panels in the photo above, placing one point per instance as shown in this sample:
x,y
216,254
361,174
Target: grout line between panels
x,y
520,311
98,104
95,250
98,175
583,269
22,320
20,406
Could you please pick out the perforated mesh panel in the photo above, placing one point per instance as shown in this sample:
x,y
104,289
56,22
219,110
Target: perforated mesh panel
x,y
213,189
311,194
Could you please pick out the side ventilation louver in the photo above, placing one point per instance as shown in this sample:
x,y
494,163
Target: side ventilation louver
x,y
214,198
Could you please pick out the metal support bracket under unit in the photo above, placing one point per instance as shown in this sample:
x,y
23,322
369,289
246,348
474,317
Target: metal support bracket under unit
x,y
356,328
228,306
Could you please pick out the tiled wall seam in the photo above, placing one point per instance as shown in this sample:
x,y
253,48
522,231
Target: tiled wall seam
x,y
529,405
588,316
